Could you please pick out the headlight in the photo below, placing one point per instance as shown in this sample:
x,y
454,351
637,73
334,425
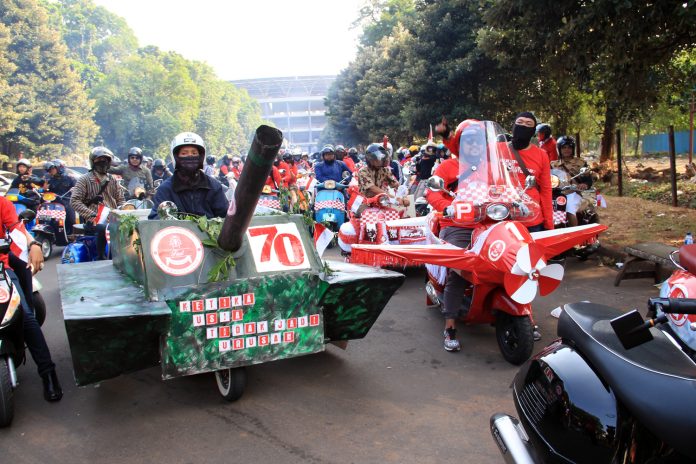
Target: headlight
x,y
330,184
49,196
12,307
555,181
497,212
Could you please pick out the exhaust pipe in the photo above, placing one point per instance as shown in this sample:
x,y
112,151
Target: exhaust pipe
x,y
512,439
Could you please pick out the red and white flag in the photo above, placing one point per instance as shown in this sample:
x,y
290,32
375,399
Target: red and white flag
x,y
601,201
102,215
322,237
311,184
19,245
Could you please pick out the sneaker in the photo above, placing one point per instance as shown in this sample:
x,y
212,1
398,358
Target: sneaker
x,y
536,334
451,342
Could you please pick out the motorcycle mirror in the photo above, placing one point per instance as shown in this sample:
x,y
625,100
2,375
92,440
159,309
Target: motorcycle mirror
x,y
529,182
631,329
436,183
27,215
167,210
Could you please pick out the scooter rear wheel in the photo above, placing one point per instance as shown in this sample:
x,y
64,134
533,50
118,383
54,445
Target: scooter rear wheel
x,y
515,335
231,383
6,394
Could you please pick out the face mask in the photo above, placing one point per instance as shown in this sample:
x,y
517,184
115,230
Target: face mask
x,y
187,164
521,135
101,167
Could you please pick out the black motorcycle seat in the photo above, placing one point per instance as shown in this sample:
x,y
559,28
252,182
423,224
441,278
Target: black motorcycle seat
x,y
687,257
656,381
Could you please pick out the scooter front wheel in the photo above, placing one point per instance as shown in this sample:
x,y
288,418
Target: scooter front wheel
x,y
515,335
231,383
6,394
46,247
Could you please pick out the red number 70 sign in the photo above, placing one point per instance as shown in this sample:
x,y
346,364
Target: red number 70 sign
x,y
277,247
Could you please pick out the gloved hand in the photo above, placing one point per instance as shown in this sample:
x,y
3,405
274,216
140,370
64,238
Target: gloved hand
x,y
449,211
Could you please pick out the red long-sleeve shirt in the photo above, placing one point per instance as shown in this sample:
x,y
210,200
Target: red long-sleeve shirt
x,y
537,163
274,180
549,146
9,219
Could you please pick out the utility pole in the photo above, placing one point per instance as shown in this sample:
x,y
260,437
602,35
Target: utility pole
x,y
692,108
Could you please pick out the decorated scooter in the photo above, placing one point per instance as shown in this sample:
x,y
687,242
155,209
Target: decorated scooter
x,y
330,202
196,296
50,223
505,264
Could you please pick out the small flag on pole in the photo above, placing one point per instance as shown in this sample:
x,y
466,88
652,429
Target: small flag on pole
x,y
322,237
102,214
430,135
601,201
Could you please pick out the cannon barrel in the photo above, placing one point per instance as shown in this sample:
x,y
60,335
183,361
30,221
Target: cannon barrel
x,y
262,152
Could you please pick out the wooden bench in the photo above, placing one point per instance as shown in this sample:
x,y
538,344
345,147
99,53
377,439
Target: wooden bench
x,y
651,252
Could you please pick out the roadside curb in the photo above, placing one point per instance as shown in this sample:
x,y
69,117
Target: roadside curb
x,y
612,251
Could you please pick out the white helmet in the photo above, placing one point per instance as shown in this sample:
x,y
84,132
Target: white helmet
x,y
24,162
188,138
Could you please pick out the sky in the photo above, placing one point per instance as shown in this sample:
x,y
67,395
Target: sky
x,y
248,39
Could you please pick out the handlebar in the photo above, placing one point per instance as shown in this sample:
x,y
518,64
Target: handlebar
x,y
673,305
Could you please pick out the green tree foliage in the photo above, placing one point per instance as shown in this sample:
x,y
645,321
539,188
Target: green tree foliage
x,y
152,96
52,113
96,38
583,66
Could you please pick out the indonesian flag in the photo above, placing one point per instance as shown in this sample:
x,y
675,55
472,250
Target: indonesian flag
x,y
102,215
19,245
601,201
322,237
311,184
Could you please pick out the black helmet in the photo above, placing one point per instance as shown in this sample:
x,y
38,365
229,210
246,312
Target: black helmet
x,y
327,149
352,151
210,159
544,129
287,156
376,152
565,141
100,152
135,151
158,163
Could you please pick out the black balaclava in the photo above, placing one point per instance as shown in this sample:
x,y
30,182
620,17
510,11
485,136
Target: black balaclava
x,y
522,135
101,165
188,168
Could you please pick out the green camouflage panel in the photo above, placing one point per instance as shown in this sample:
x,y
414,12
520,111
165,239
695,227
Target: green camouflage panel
x,y
355,296
274,317
112,329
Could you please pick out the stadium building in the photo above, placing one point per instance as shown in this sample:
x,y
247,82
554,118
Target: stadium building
x,y
294,104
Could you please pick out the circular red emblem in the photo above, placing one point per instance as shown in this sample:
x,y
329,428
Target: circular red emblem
x,y
496,250
4,295
176,251
560,201
678,291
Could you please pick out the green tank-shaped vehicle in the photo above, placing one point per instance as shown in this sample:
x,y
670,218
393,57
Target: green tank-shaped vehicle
x,y
176,295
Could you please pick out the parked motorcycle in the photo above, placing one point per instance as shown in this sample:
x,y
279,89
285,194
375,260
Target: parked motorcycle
x,y
614,388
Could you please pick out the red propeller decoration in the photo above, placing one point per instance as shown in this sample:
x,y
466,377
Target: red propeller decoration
x,y
529,273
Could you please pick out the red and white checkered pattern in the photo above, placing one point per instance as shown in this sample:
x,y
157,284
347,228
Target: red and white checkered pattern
x,y
269,203
480,193
47,214
336,204
375,215
559,217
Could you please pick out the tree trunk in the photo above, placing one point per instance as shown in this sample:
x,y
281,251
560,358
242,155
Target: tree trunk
x,y
635,148
608,135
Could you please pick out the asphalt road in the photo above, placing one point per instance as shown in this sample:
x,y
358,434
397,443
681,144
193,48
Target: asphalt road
x,y
395,396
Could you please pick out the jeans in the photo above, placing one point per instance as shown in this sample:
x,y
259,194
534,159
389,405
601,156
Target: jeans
x,y
33,336
100,231
456,284
536,228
